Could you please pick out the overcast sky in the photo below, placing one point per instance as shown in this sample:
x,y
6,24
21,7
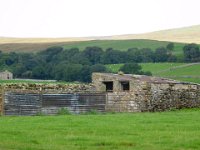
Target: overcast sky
x,y
78,18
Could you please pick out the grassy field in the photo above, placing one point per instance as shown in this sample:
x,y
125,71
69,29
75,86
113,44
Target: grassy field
x,y
176,130
126,44
178,71
116,44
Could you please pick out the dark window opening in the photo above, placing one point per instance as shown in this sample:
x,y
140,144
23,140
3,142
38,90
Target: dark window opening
x,y
109,86
125,86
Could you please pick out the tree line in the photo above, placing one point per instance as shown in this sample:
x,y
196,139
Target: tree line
x,y
75,65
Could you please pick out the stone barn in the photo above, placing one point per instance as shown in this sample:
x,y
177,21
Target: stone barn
x,y
138,93
108,93
6,75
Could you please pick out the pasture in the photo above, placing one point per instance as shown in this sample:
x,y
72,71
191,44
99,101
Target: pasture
x,y
115,44
178,129
179,71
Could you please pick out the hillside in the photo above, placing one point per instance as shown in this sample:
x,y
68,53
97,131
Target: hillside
x,y
116,44
34,44
179,71
182,35
122,42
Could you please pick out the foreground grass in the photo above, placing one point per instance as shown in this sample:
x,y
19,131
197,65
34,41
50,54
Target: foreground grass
x,y
166,130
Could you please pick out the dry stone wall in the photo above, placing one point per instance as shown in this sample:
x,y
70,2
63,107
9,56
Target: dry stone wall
x,y
173,96
155,97
32,99
46,88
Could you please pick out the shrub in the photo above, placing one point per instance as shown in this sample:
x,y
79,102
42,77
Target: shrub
x,y
40,114
63,111
92,112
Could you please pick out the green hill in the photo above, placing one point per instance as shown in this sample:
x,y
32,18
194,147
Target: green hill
x,y
116,44
183,35
126,44
122,42
179,71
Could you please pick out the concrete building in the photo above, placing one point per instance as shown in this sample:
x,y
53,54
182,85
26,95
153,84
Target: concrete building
x,y
137,93
6,75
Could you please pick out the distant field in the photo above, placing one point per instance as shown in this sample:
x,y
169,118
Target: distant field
x,y
126,44
120,42
182,35
178,130
28,47
179,71
116,44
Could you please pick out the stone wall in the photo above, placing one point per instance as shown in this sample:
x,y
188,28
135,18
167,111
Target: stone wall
x,y
142,96
31,99
155,97
147,93
46,88
173,96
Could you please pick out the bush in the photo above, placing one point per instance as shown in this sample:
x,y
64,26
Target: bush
x,y
92,112
40,114
63,111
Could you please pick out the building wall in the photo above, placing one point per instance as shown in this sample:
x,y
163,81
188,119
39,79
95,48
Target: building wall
x,y
6,75
145,96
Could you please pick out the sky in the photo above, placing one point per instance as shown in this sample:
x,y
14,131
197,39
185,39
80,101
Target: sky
x,y
84,18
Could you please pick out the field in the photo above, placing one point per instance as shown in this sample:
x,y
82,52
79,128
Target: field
x,y
165,130
120,42
116,44
178,71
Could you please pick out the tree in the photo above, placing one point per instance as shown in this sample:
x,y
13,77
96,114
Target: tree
x,y
133,68
191,53
111,56
39,72
93,54
50,53
170,46
98,68
161,54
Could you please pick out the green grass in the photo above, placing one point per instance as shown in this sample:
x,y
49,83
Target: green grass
x,y
125,45
189,73
153,67
143,131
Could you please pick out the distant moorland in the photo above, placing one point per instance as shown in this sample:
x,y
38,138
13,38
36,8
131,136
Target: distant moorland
x,y
122,42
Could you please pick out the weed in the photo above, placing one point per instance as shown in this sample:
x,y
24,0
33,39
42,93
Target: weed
x,y
63,111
